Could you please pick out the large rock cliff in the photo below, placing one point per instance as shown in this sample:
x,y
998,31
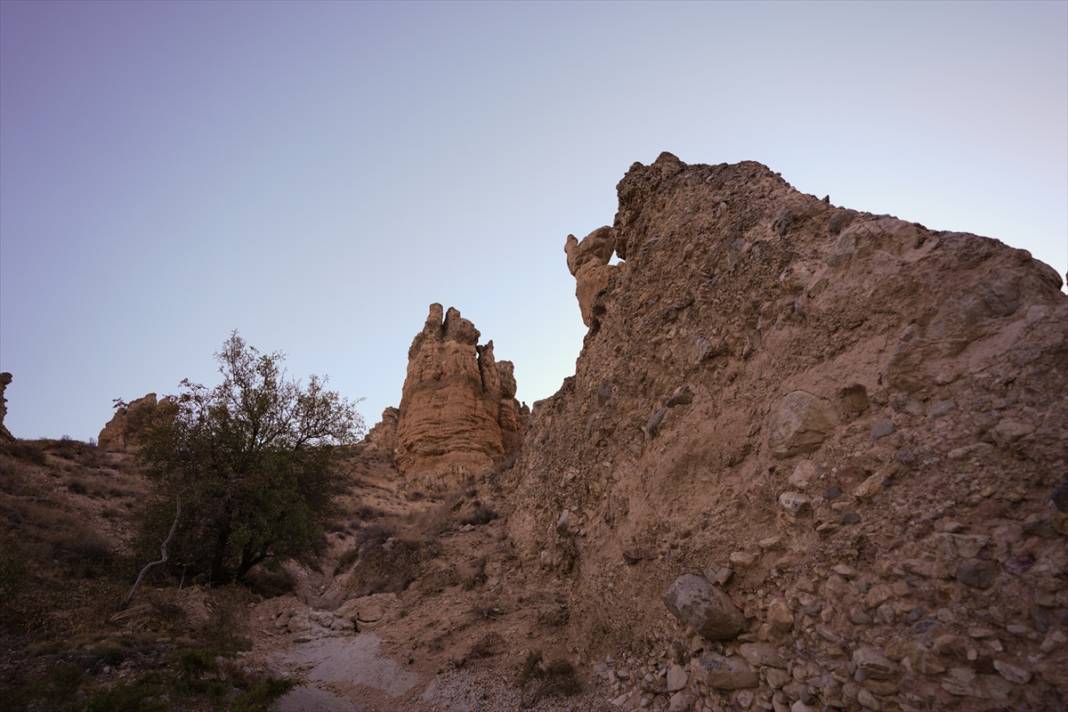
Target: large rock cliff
x,y
848,423
458,414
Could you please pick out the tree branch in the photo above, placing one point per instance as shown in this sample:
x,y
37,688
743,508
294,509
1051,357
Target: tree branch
x,y
162,554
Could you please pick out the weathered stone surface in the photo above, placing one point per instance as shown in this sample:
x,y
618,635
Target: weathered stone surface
x,y
458,414
676,678
799,423
704,607
761,655
725,672
874,664
123,432
383,436
587,260
977,573
5,379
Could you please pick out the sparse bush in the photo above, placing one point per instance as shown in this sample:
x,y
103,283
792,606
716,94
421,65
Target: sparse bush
x,y
77,486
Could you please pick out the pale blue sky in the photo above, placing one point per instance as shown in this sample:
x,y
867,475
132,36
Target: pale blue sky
x,y
316,174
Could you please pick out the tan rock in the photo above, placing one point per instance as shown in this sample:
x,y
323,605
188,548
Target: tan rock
x,y
587,261
383,436
799,423
5,379
123,432
458,414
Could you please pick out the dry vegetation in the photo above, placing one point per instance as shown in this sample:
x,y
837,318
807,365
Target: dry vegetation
x,y
67,513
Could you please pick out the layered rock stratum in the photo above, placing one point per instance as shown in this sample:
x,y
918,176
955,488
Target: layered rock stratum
x,y
458,413
849,424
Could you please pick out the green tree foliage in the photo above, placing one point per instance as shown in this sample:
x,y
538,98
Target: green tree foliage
x,y
252,462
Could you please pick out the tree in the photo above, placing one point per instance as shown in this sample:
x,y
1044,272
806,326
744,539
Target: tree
x,y
251,462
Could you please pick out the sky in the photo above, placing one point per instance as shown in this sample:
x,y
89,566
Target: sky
x,y
316,174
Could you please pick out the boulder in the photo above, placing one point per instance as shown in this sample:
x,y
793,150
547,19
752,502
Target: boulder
x,y
704,607
799,423
725,672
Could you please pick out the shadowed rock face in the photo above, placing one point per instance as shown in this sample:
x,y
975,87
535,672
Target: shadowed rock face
x,y
458,414
5,379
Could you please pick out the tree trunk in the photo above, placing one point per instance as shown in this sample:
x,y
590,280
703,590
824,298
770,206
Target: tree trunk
x,y
162,554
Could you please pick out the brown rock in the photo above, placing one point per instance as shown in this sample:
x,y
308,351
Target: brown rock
x,y
799,424
123,432
383,436
796,326
458,414
588,263
725,672
5,379
704,607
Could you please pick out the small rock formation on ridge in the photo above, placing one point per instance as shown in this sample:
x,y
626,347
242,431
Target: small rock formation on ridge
x,y
5,379
122,432
458,413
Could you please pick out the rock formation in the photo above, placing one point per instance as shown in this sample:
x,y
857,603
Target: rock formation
x,y
5,379
851,424
382,438
123,430
588,263
458,413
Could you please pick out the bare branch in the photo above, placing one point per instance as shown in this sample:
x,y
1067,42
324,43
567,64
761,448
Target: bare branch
x,y
162,554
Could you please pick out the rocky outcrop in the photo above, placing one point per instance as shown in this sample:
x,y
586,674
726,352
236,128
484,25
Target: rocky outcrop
x,y
458,413
5,379
588,263
123,431
382,438
854,425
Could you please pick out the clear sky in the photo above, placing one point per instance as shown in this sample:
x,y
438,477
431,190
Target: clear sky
x,y
315,175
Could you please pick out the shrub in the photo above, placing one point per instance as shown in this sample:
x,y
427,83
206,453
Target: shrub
x,y
251,460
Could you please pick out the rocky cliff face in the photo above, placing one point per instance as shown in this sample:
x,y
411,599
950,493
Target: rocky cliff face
x,y
848,424
458,413
121,433
5,379
382,438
